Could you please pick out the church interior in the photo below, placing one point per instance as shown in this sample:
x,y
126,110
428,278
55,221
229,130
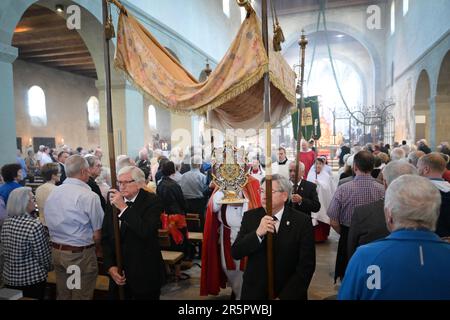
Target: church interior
x,y
380,70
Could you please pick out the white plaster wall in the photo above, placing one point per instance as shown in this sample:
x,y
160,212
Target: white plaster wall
x,y
66,97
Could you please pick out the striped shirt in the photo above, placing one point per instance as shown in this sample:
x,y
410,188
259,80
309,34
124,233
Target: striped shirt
x,y
26,251
361,190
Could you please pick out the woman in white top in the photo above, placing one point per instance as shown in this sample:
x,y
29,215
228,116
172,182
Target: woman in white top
x,y
325,189
50,173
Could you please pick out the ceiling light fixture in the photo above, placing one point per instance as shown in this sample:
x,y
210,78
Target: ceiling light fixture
x,y
340,36
59,8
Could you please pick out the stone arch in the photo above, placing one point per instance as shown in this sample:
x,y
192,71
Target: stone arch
x,y
91,27
443,101
354,33
365,94
421,106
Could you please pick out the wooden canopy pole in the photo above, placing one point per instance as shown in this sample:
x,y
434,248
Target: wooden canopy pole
x,y
267,125
108,33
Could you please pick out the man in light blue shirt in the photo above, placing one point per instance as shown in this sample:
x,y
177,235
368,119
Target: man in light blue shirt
x,y
74,219
411,263
193,184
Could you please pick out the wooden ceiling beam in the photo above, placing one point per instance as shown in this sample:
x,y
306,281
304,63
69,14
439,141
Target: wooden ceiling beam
x,y
36,47
53,52
79,65
24,39
73,59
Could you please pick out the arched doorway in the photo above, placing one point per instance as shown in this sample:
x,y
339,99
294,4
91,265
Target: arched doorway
x,y
55,57
421,107
443,101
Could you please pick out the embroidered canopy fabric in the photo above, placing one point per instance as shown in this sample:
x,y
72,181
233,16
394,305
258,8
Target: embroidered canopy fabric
x,y
233,93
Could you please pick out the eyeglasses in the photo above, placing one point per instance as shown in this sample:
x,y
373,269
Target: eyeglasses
x,y
124,182
262,191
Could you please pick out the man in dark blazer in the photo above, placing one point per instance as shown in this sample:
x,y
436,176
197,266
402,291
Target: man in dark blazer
x,y
139,217
294,250
368,221
95,168
62,156
305,197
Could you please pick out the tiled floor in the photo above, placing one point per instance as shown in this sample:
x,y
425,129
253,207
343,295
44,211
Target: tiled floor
x,y
322,285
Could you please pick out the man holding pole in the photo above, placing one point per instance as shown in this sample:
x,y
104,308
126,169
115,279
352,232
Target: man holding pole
x,y
139,217
294,249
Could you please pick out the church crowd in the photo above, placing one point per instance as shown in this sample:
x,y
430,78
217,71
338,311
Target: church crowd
x,y
389,205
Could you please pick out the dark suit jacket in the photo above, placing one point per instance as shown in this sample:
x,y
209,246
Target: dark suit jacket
x,y
94,187
368,224
310,202
142,259
443,223
294,256
171,196
63,174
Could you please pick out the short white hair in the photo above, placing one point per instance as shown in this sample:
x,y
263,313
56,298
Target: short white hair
x,y
395,169
397,154
18,201
74,164
136,173
414,202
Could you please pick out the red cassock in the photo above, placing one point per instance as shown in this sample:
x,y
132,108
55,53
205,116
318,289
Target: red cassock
x,y
308,159
212,276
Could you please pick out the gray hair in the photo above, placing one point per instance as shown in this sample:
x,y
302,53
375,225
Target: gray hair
x,y
395,169
136,173
196,162
74,164
91,159
398,154
18,201
414,156
413,207
283,183
123,161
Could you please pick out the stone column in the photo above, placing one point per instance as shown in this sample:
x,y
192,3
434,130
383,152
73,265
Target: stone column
x,y
432,123
7,110
128,119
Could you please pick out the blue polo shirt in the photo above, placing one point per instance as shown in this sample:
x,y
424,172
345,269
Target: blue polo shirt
x,y
406,265
6,189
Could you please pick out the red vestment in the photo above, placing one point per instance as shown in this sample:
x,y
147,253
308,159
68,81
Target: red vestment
x,y
308,158
212,276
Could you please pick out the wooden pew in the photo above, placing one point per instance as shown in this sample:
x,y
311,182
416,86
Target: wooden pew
x,y
193,222
172,259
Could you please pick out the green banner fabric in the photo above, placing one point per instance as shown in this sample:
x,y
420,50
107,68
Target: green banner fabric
x,y
310,119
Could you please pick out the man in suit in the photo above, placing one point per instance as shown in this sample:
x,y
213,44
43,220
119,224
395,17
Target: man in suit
x,y
62,156
294,250
368,221
305,197
95,168
139,218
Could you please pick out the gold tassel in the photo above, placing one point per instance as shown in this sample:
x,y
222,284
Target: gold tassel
x,y
278,37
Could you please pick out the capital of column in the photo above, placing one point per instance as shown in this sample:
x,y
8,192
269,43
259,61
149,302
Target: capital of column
x,y
120,84
8,53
